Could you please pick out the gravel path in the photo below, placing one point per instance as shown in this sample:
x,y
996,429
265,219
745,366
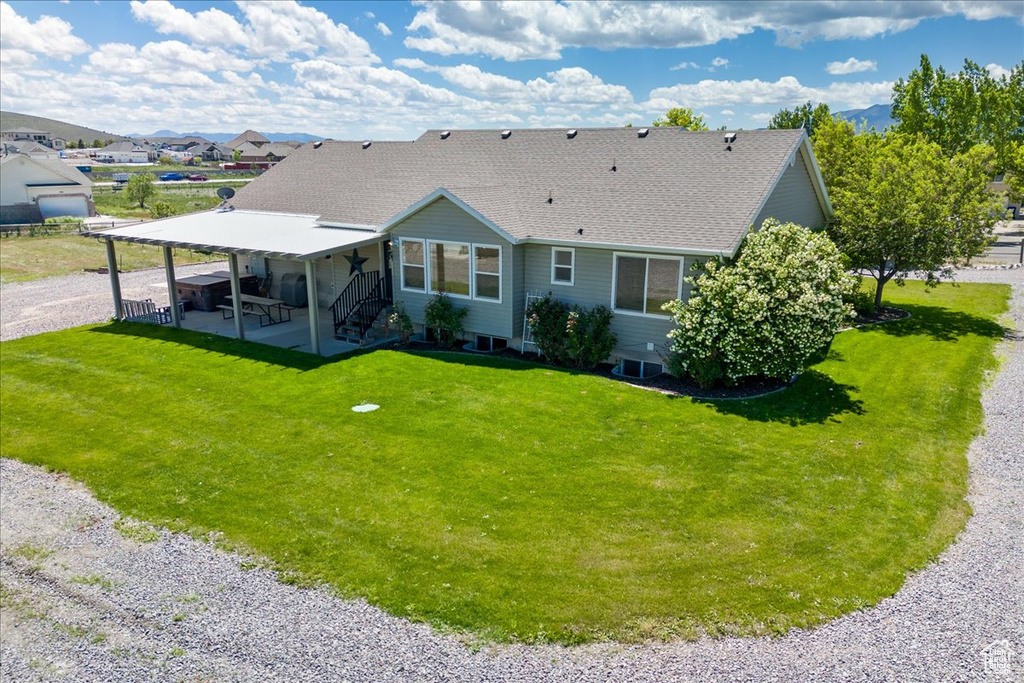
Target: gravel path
x,y
84,601
57,303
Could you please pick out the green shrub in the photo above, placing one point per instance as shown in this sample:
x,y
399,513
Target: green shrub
x,y
768,313
162,210
441,314
574,336
398,320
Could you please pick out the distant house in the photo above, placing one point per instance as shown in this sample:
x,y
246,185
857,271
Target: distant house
x,y
14,134
32,149
270,152
610,217
214,152
59,143
250,136
123,153
33,189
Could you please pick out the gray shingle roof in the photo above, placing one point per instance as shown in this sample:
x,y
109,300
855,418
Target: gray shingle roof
x,y
673,188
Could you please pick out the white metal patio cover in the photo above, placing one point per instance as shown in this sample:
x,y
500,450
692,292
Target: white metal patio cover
x,y
255,233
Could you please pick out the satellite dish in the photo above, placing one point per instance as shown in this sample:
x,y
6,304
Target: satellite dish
x,y
225,193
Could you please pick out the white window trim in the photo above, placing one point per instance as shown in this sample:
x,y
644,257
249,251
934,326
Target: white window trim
x,y
571,266
615,282
428,281
402,264
473,247
430,275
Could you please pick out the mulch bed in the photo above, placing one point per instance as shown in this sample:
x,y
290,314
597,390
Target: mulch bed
x,y
665,383
884,314
751,387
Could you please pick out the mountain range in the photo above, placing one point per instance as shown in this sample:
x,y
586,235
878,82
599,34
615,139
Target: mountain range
x,y
224,137
877,115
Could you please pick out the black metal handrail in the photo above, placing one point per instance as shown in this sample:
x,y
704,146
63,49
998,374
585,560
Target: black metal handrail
x,y
370,307
353,295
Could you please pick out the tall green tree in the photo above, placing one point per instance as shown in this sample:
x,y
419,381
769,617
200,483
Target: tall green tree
x,y
963,109
804,116
683,117
140,188
902,205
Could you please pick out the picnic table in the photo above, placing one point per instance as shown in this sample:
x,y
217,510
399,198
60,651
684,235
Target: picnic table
x,y
270,311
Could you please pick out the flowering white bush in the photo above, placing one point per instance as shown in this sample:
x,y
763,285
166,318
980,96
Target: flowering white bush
x,y
781,302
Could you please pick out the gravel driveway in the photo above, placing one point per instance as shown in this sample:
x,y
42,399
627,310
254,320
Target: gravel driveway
x,y
84,600
56,303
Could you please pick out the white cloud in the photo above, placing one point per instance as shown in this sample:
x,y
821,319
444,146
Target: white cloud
x,y
719,61
383,28
684,65
786,91
208,27
170,61
16,58
728,112
369,15
997,71
49,36
571,85
540,30
274,30
851,66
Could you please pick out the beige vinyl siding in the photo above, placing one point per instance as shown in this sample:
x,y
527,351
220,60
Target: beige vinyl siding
x,y
444,221
592,287
331,274
794,199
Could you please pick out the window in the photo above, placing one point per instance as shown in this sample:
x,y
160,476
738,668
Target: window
x,y
644,283
641,369
449,268
563,262
487,272
414,267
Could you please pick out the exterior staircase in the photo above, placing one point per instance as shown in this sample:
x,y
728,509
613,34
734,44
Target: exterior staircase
x,y
359,305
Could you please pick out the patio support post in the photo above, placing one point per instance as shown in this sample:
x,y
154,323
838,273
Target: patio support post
x,y
115,280
236,296
172,292
314,311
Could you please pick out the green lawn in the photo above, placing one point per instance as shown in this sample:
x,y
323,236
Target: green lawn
x,y
181,198
519,502
31,258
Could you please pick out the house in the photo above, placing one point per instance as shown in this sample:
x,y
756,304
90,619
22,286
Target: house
x,y
33,189
32,149
271,152
612,217
250,136
126,152
40,136
211,151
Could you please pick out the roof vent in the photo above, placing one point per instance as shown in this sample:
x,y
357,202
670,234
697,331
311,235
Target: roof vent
x,y
318,144
642,133
506,134
445,134
730,138
571,134
366,144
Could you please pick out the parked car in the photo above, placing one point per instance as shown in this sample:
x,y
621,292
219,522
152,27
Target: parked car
x,y
120,178
172,176
196,177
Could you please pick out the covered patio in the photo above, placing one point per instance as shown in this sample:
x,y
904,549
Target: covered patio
x,y
283,237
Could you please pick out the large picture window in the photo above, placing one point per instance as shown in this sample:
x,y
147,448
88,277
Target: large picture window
x,y
644,283
414,267
449,268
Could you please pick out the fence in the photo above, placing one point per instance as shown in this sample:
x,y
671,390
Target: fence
x,y
68,227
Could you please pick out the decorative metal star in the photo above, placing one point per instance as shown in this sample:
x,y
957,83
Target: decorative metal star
x,y
356,261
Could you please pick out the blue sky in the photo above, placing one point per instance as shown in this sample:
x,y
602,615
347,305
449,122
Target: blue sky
x,y
357,70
